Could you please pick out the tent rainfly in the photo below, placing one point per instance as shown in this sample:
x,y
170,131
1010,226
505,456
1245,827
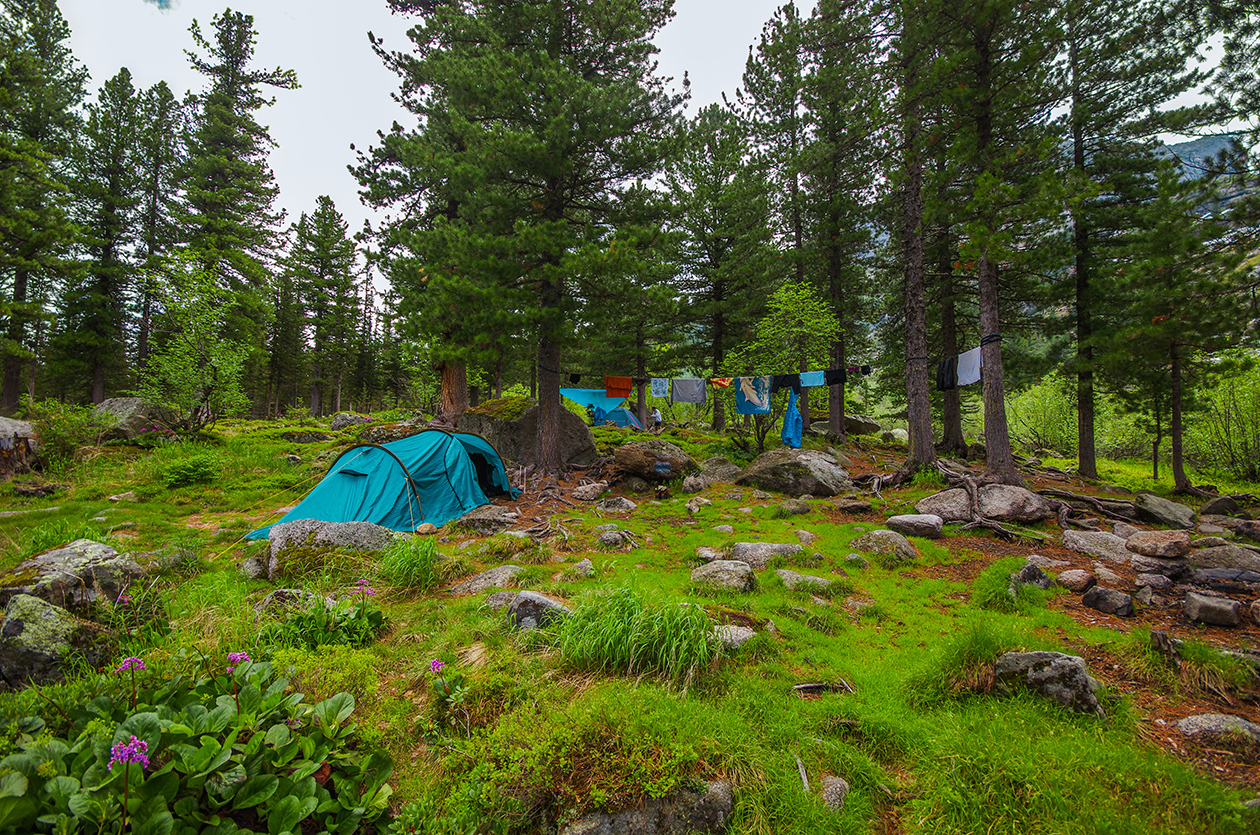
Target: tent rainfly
x,y
434,476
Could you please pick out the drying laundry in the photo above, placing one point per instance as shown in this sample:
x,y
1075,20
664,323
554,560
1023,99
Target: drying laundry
x,y
793,424
688,389
947,374
835,376
969,364
813,378
721,382
785,381
660,387
752,395
618,386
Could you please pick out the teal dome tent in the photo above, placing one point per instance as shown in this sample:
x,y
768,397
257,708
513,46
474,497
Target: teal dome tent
x,y
434,476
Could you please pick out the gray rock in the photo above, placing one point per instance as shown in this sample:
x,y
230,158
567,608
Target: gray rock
x,y
708,554
1046,562
695,503
1076,580
796,581
1106,575
488,519
254,568
720,470
1224,556
132,417
590,492
499,600
1097,544
1001,502
1212,531
584,568
1217,611
759,554
1153,565
305,438
897,436
1169,545
794,507
1224,576
1161,511
733,637
1145,595
856,561
619,504
1114,490
40,643
1158,582
1219,506
680,813
611,539
761,495
861,425
694,483
609,526
76,576
834,790
926,525
888,544
1218,725
728,529
725,574
512,428
1109,601
655,460
321,537
635,484
1124,530
795,472
343,419
285,600
1061,678
531,610
500,575
1032,575
854,506
805,537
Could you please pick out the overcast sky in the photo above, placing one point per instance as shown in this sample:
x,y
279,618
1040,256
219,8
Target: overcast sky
x,y
345,93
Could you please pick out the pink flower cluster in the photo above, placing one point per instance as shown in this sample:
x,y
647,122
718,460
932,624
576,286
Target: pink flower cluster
x,y
130,663
236,658
365,589
436,665
133,751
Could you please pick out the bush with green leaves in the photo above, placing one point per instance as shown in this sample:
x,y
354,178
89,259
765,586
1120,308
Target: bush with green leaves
x,y
619,631
222,753
196,469
64,429
320,624
1225,435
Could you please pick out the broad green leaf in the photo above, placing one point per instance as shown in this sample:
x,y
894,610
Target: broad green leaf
x,y
17,810
13,784
159,824
256,789
333,710
287,813
278,734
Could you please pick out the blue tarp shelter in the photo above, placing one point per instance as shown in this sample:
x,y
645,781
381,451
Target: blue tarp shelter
x,y
592,398
622,416
433,476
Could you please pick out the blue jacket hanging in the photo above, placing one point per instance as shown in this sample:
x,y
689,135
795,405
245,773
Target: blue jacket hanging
x,y
793,424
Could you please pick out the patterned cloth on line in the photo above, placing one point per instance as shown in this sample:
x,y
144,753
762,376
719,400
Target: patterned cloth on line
x,y
660,387
752,395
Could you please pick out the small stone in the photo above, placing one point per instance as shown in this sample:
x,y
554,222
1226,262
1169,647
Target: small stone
x,y
1046,562
1168,545
761,495
620,504
856,561
759,554
926,525
694,483
426,528
584,568
1109,601
1208,541
695,503
725,574
805,537
1217,611
129,496
834,791
611,539
254,568
1032,575
1077,580
465,545
611,526
590,492
499,600
733,637
1144,595
708,554
793,507
1106,575
796,581
1124,530
531,610
1154,581
745,510
727,529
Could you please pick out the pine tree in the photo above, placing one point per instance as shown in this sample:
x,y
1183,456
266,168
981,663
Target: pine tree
x,y
42,87
228,217
90,346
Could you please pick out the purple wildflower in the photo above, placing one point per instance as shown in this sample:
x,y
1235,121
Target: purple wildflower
x,y
133,751
123,599
436,665
237,658
365,589
130,663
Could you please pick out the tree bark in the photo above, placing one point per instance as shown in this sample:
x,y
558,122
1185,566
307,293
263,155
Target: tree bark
x,y
454,398
549,460
317,388
1181,482
10,394
919,407
952,439
835,394
1000,464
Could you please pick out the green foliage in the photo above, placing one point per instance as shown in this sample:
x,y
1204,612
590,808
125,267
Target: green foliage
x,y
1043,416
993,589
412,562
37,538
64,429
328,669
200,745
430,816
196,469
963,665
320,625
1225,434
619,631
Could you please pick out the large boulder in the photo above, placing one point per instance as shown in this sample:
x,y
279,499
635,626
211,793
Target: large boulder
x,y
305,542
1160,511
1108,601
74,576
759,554
796,472
18,446
654,460
1001,502
133,416
1224,556
861,425
926,525
731,575
1101,544
1208,608
530,610
343,419
1219,726
387,433
893,548
511,426
1063,679
683,812
40,642
496,577
1169,545
720,469
1219,506
488,519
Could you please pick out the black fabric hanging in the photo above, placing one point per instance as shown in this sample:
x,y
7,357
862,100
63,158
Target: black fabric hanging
x,y
947,374
835,376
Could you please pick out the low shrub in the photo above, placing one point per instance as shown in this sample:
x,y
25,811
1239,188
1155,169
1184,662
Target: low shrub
x,y
64,428
963,665
994,590
355,625
196,469
411,562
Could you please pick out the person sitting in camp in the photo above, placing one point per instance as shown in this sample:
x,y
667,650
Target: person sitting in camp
x,y
657,421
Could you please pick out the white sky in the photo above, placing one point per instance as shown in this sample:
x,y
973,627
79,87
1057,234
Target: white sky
x,y
345,93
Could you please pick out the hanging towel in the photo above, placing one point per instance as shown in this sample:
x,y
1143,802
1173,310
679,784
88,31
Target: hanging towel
x,y
969,367
689,389
866,370
785,381
947,374
721,382
835,376
793,424
813,378
660,387
752,395
618,386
